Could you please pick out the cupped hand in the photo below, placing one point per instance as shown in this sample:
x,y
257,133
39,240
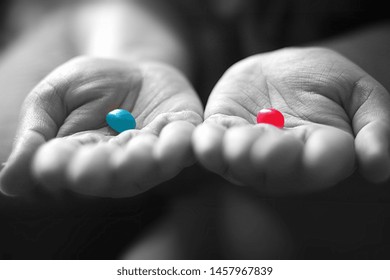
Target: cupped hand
x,y
63,141
337,118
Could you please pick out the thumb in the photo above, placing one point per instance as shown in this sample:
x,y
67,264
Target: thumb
x,y
371,125
41,114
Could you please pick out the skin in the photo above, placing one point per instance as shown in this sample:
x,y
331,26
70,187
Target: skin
x,y
68,145
129,60
81,157
330,131
327,103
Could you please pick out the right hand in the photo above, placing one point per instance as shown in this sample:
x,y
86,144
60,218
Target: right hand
x,y
63,141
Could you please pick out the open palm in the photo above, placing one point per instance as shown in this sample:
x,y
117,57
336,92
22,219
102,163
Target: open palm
x,y
334,112
63,141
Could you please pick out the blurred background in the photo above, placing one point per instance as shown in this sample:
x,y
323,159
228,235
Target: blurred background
x,y
351,221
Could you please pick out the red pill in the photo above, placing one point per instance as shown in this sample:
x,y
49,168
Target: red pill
x,y
271,116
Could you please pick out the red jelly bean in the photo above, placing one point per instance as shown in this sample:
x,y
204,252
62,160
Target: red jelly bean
x,y
271,116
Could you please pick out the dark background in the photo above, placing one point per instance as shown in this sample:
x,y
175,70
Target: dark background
x,y
351,221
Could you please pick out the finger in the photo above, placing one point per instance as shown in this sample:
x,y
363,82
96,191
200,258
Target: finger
x,y
123,138
372,149
371,124
41,115
237,145
207,144
173,150
328,157
89,171
134,166
276,155
232,103
51,162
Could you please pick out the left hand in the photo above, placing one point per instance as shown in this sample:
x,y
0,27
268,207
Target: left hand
x,y
333,112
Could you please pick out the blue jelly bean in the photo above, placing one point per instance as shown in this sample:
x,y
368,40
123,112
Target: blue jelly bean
x,y
120,120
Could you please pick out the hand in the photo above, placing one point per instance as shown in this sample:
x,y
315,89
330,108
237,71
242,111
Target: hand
x,y
333,112
63,141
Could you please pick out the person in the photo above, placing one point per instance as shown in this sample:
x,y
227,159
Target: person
x,y
334,110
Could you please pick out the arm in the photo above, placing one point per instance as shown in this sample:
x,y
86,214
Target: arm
x,y
134,30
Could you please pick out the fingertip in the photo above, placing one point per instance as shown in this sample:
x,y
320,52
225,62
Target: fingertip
x,y
207,144
278,156
376,167
328,158
50,163
16,178
134,166
16,181
236,144
7,183
173,150
89,172
372,150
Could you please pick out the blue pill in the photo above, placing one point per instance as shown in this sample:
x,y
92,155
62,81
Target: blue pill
x,y
120,120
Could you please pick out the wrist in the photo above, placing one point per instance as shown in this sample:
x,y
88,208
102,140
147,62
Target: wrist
x,y
126,30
